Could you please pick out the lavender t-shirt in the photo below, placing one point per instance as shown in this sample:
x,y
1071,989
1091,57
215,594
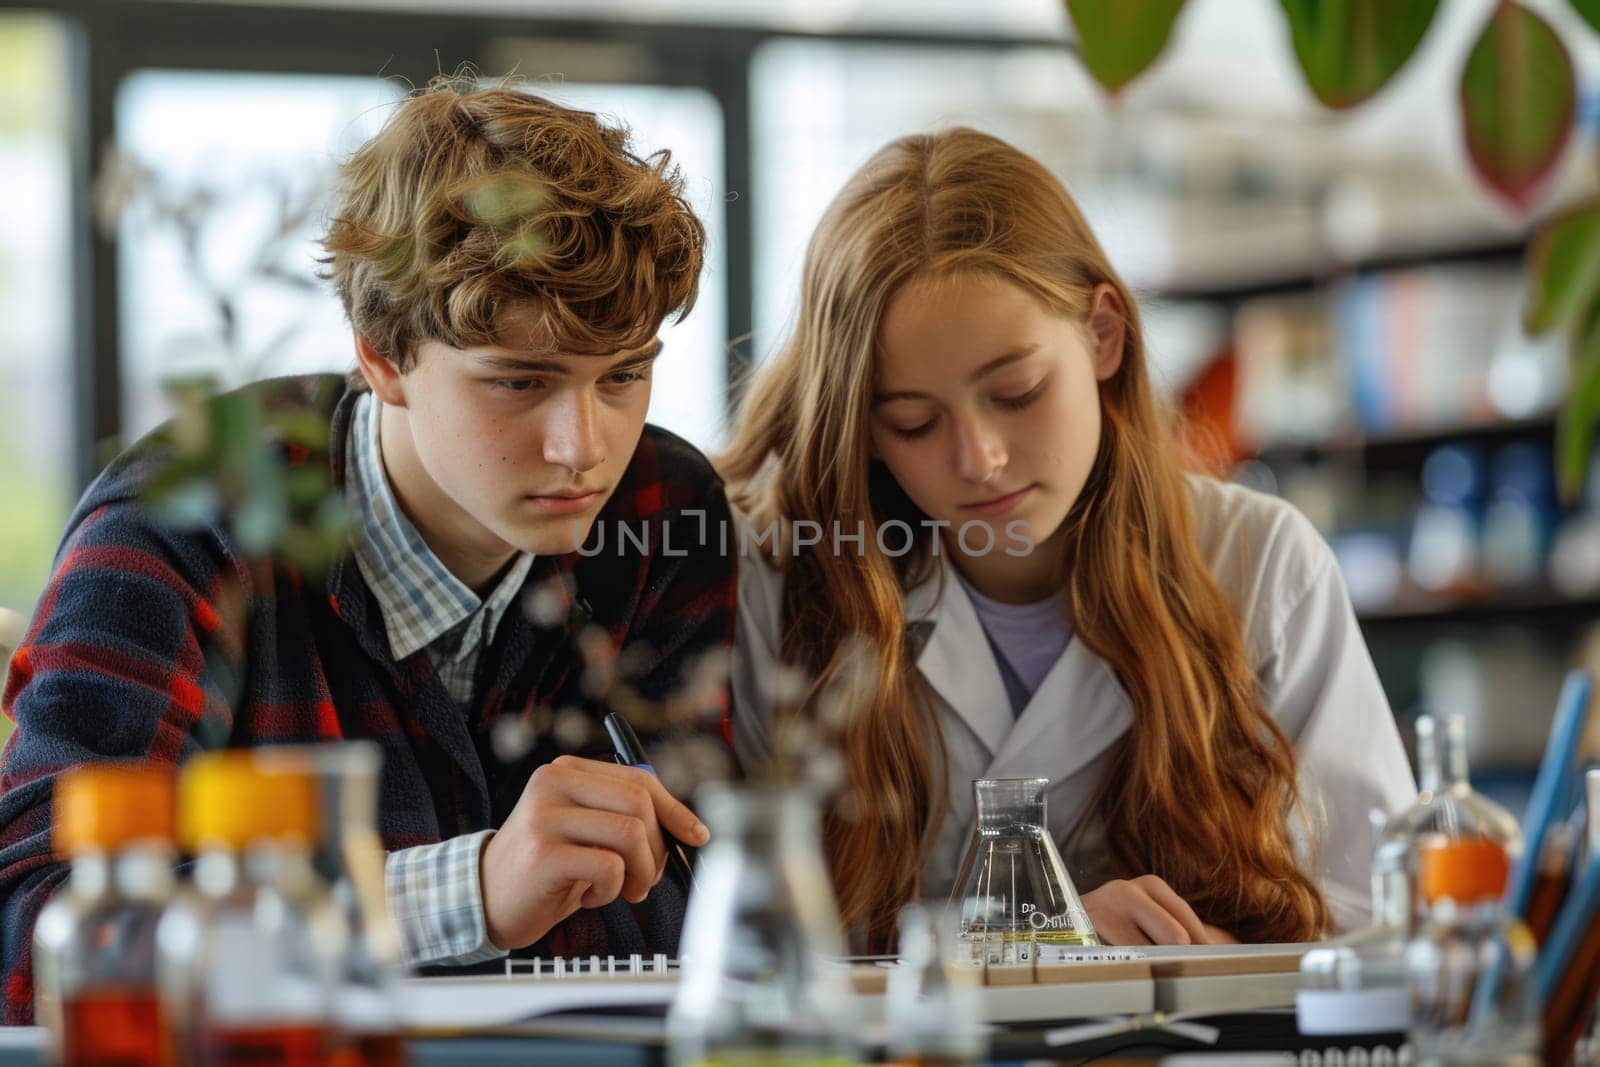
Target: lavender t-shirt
x,y
1026,639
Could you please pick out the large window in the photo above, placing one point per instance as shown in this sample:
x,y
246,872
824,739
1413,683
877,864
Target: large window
x,y
819,109
219,245
688,395
219,242
36,434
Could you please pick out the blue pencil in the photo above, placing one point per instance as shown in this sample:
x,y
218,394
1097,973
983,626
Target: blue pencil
x,y
1552,786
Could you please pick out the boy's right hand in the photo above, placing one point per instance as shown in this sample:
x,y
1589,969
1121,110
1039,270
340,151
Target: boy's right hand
x,y
583,833
1144,911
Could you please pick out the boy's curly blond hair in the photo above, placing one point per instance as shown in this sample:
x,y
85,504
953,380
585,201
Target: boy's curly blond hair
x,y
472,201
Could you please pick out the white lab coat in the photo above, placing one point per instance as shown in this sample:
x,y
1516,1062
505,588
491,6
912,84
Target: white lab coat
x,y
1315,675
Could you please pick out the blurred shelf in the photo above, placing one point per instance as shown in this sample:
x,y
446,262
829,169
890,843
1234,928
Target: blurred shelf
x,y
1499,251
1409,447
1538,606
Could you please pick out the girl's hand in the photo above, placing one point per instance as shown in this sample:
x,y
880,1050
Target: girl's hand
x,y
1216,935
1145,911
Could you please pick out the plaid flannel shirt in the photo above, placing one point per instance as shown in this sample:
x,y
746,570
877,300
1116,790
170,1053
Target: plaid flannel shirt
x,y
153,643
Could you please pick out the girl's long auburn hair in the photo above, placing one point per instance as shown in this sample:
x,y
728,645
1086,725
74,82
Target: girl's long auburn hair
x,y
1201,790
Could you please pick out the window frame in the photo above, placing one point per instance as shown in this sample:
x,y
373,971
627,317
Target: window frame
x,y
109,41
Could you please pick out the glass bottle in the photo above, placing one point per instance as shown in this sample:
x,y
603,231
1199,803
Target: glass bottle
x,y
932,1008
1466,940
758,985
1357,983
1015,900
1447,804
246,958
349,860
94,943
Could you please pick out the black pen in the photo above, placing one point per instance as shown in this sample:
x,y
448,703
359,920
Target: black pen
x,y
680,857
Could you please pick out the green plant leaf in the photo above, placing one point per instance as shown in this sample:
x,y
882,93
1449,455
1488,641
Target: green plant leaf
x,y
1518,97
1349,49
1564,268
1575,428
1118,39
1590,10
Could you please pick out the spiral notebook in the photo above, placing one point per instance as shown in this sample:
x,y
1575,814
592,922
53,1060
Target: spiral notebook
x,y
1088,983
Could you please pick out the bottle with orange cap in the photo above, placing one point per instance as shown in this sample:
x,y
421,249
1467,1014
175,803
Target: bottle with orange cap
x,y
95,942
246,955
1468,939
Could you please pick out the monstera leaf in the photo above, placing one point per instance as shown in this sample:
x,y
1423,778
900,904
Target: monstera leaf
x,y
1349,49
1518,96
1120,38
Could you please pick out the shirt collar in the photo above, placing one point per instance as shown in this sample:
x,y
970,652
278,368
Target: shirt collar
x,y
421,601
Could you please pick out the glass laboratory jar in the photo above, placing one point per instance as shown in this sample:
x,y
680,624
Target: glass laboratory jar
x,y
1470,965
762,982
1015,902
933,1008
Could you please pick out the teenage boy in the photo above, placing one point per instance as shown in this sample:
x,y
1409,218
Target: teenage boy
x,y
505,264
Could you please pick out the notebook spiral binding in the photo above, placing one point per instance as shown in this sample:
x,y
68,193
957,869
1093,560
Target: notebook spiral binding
x,y
661,965
634,966
1357,1056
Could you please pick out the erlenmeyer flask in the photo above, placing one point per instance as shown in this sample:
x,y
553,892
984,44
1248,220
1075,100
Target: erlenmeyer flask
x,y
761,980
1014,898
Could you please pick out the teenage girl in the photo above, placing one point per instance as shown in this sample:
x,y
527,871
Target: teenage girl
x,y
1177,655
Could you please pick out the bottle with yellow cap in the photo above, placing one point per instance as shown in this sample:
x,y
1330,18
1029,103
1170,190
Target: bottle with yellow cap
x,y
246,955
364,1007
1470,965
95,942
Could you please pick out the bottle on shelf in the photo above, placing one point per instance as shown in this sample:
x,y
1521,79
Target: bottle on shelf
x,y
247,956
761,982
95,942
1520,517
1445,555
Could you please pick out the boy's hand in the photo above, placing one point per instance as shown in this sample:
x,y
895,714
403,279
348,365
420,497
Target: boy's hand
x,y
583,833
1144,911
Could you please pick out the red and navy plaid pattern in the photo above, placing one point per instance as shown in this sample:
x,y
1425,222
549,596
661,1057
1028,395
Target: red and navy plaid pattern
x,y
154,643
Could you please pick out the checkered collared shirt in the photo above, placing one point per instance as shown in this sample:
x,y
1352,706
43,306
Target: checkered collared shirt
x,y
435,897
424,606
